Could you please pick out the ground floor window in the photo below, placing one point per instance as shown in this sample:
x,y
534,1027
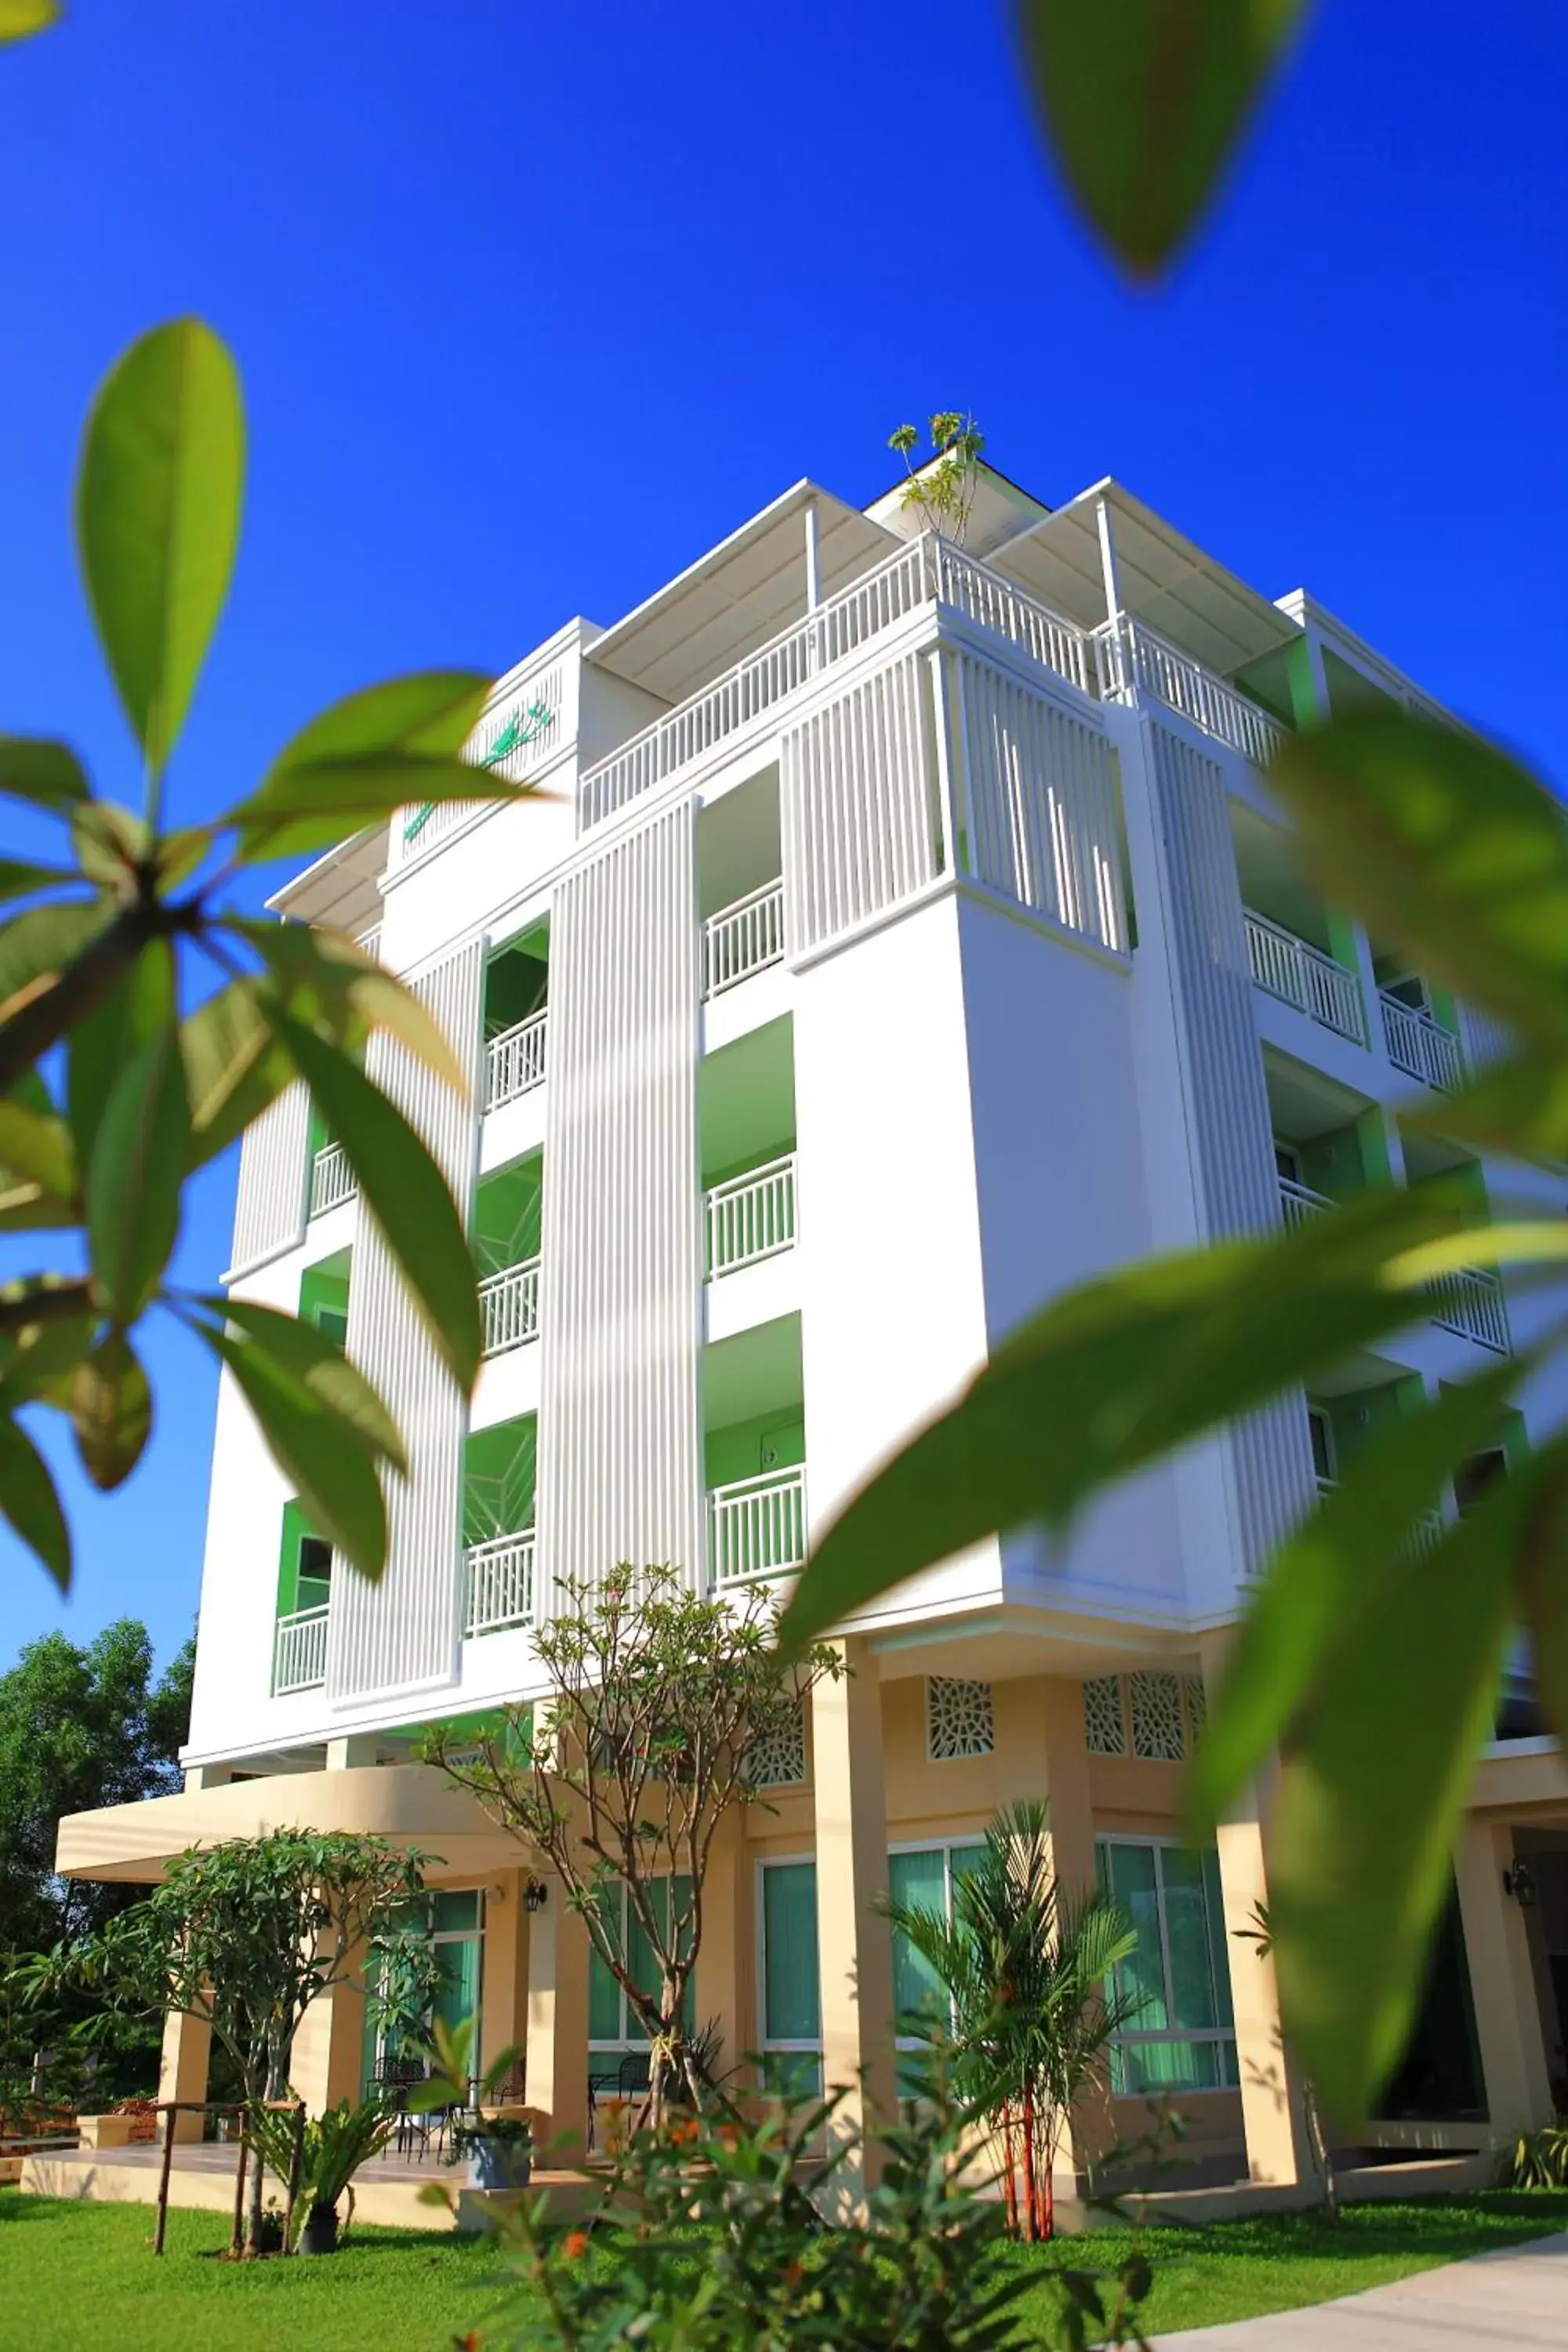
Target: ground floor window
x,y
791,2038
453,1920
925,1875
617,2046
1184,2036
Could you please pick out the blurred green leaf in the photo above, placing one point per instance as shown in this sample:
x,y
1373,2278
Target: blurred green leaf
x,y
335,1481
158,500
28,1206
112,1410
233,1066
405,1192
38,945
365,757
28,1501
41,771
109,842
134,1178
36,1360
181,853
1365,1814
37,1146
19,877
1518,1108
1444,844
349,986
1327,1572
1143,106
306,1354
140,1007
1117,1373
19,19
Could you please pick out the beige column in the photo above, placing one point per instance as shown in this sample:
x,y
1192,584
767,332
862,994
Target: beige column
x,y
557,2026
352,1749
1502,1986
855,1950
327,2062
183,2068
503,1991
725,1992
1278,2150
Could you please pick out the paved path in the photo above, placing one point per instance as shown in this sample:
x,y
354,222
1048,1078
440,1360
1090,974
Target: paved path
x,y
1515,2300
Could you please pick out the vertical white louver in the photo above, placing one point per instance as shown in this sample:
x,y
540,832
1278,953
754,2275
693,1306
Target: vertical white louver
x,y
404,1632
270,1205
620,1263
861,826
1228,1103
1038,802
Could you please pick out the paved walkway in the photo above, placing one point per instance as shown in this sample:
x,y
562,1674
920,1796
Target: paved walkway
x,y
1515,2300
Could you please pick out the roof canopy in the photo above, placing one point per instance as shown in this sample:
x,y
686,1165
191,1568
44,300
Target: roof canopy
x,y
1165,579
741,593
342,888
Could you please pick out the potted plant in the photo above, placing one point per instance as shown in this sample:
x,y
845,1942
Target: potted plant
x,y
499,2145
331,2150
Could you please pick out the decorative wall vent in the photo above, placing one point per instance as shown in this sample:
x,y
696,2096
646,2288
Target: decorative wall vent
x,y
1155,1717
777,1759
957,1718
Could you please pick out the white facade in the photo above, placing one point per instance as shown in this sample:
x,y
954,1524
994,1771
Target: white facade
x,y
920,939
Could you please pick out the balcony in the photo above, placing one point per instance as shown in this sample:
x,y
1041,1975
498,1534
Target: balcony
x,y
1420,1047
333,1181
751,1217
508,1302
742,939
498,1584
1299,1201
299,1652
1287,967
1470,1301
514,1062
756,1527
1129,655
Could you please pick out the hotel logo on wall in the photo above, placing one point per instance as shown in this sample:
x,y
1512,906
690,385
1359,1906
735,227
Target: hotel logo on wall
x,y
529,723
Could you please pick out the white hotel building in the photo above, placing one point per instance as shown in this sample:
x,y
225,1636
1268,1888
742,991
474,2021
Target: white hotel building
x,y
900,933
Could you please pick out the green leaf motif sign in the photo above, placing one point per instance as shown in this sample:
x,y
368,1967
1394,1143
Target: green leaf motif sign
x,y
523,728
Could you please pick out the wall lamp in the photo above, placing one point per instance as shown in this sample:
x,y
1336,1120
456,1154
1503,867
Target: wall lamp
x,y
1519,1882
535,1894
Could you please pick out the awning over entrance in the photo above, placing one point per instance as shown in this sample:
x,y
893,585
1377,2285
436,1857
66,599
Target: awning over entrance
x,y
407,1804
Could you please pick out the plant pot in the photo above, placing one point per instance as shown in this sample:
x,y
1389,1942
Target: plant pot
x,y
319,2234
269,2237
498,2164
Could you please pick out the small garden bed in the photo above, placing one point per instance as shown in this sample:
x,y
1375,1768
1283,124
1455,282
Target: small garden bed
x,y
66,2265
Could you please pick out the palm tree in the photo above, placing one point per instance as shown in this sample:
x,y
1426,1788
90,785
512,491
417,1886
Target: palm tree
x,y
1026,2007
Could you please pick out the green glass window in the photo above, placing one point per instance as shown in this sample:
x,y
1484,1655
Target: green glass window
x,y
791,2004
612,2021
1183,2034
917,1878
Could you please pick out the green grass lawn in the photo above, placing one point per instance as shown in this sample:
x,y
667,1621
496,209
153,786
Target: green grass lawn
x,y
74,2277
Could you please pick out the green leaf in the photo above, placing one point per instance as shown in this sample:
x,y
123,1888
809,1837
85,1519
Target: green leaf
x,y
111,1411
364,757
137,1169
1518,1108
329,974
158,500
335,1483
47,773
406,1192
317,1364
1143,109
28,1501
140,1007
110,841
1116,1374
37,946
1365,1812
19,19
1328,1571
233,1066
19,877
1444,844
38,1148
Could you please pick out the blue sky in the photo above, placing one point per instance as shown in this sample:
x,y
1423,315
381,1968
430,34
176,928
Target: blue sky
x,y
533,304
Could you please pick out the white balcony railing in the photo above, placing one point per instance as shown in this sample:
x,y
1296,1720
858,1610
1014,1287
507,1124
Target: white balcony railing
x,y
757,1527
299,1652
742,939
333,1181
751,1217
1127,654
509,1301
514,1061
927,571
1286,967
498,1583
1299,1201
1419,1046
1470,1300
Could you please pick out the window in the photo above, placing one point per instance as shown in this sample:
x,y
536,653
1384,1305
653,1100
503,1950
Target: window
x,y
1184,2036
791,1990
922,1874
1321,1430
335,1322
1410,988
611,2022
454,1920
1286,1162
1473,1479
